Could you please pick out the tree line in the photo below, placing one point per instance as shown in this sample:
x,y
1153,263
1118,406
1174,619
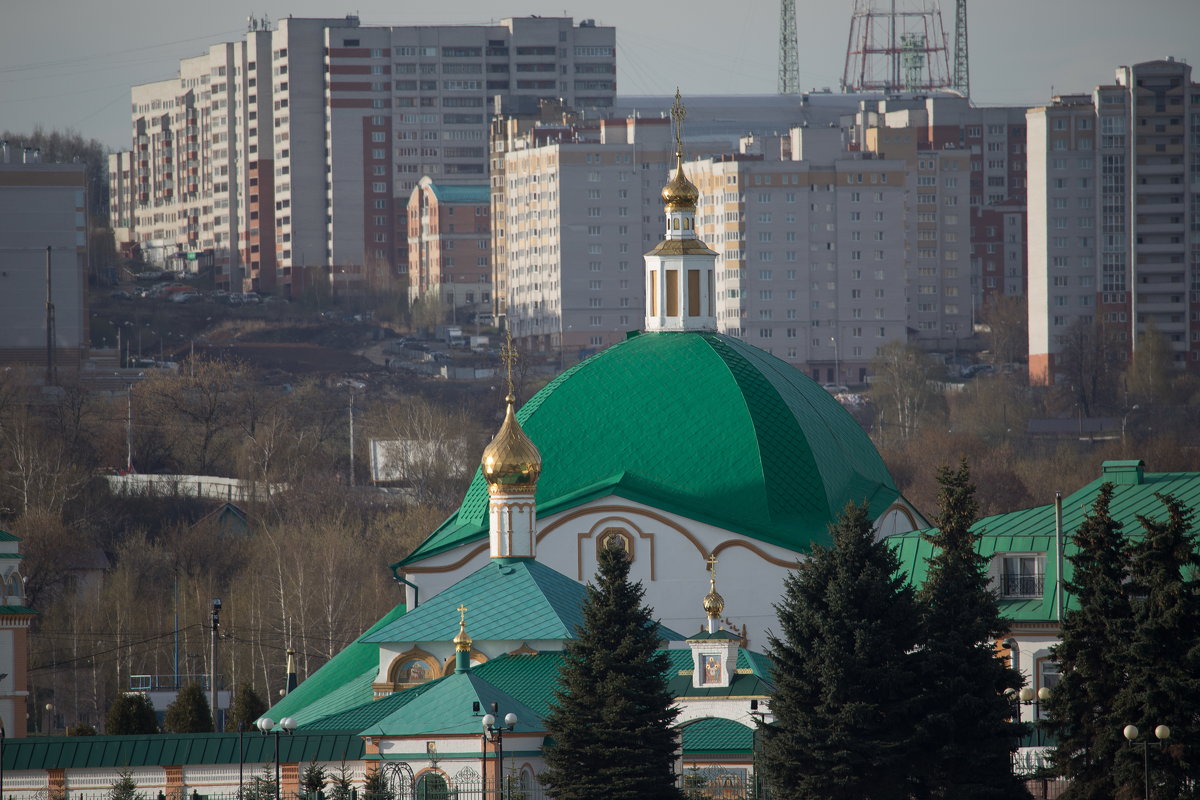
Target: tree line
x,y
123,583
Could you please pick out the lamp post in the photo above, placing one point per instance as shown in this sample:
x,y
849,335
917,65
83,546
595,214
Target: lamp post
x,y
266,725
1162,733
837,361
495,734
2,734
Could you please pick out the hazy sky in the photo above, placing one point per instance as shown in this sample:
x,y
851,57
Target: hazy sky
x,y
70,63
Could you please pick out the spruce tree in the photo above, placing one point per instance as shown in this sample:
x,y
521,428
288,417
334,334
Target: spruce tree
x,y
375,786
312,781
245,709
1162,682
966,715
341,785
845,673
1092,657
611,716
125,788
130,713
189,712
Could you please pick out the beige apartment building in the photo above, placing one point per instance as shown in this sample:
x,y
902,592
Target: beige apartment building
x,y
449,242
1114,214
290,156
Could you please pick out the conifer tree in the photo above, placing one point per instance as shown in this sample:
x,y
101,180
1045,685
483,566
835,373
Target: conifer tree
x,y
130,713
125,788
845,673
375,786
312,781
1162,680
1092,657
245,709
965,719
189,712
611,716
341,786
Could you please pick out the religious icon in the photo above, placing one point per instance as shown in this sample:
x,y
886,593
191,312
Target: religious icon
x,y
712,669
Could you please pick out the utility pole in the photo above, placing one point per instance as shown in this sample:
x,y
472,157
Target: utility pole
x,y
352,436
212,680
50,335
128,428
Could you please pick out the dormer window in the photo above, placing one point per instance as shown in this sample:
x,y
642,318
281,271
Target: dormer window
x,y
1022,575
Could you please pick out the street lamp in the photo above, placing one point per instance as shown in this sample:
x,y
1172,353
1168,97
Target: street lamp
x,y
287,725
837,361
494,734
1162,733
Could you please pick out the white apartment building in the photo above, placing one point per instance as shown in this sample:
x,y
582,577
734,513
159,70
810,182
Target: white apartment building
x,y
578,216
812,265
294,152
1114,213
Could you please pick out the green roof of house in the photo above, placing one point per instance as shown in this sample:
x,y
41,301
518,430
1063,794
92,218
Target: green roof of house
x,y
80,752
756,682
5,536
717,735
478,193
344,681
1032,530
697,423
10,610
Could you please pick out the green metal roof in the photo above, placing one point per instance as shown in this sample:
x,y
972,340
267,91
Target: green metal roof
x,y
1032,530
81,752
697,423
445,708
11,555
479,193
10,610
368,713
5,536
344,681
506,599
717,735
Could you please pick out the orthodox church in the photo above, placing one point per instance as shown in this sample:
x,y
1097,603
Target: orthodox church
x,y
686,447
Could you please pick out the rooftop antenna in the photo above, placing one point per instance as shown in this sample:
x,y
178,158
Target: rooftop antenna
x,y
789,58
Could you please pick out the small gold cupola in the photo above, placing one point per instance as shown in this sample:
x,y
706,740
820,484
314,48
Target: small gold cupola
x,y
714,604
511,466
462,642
511,461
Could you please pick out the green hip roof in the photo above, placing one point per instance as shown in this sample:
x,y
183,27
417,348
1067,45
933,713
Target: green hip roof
x,y
697,423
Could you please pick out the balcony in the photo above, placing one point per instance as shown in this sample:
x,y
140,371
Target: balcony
x,y
1021,585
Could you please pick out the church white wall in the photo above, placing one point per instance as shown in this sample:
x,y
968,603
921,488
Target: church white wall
x,y
669,556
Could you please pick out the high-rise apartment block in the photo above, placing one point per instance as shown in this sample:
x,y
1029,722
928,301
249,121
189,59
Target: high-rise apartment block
x,y
449,242
815,262
1113,214
297,149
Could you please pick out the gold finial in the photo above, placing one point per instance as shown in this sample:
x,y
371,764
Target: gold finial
x,y
462,642
678,115
509,355
714,604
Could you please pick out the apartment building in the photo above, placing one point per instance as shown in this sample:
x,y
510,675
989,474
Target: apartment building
x,y
449,246
293,153
994,137
579,212
1113,214
44,259
811,263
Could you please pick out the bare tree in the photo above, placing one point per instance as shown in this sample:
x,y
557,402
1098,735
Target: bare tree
x,y
901,391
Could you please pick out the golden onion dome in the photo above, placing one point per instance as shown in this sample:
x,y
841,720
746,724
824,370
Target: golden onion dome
x,y
462,640
680,193
714,604
511,460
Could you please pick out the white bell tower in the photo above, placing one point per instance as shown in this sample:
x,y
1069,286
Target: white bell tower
x,y
681,269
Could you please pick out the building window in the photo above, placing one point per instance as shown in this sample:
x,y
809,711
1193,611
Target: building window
x,y
1022,575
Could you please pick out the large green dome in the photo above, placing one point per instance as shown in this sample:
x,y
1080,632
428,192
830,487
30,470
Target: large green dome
x,y
696,423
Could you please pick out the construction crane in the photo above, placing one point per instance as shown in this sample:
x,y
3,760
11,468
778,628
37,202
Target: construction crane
x,y
789,58
962,67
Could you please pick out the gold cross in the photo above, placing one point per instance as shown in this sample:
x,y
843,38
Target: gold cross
x,y
712,563
678,113
509,355
462,614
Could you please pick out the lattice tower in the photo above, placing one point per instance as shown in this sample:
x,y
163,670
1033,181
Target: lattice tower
x,y
896,45
789,57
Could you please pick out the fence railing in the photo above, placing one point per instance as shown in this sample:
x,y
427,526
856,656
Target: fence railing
x,y
1021,585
